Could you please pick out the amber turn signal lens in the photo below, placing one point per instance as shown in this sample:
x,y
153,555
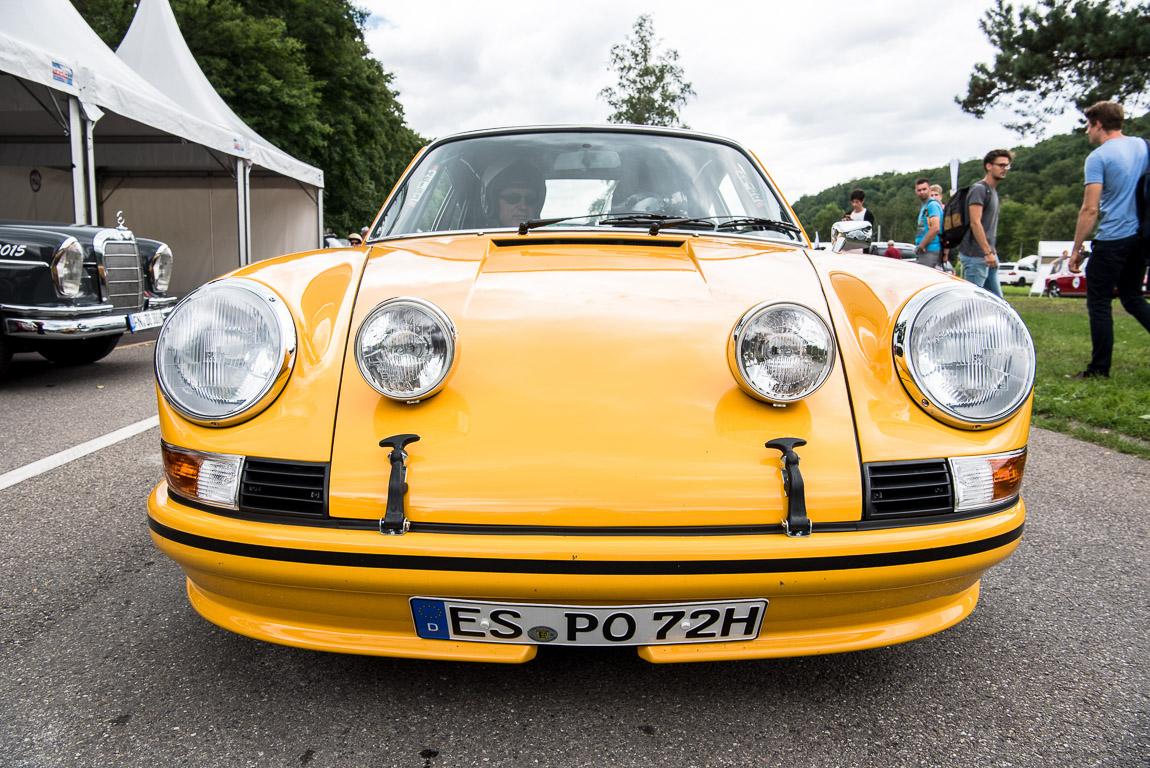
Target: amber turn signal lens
x,y
181,470
1007,475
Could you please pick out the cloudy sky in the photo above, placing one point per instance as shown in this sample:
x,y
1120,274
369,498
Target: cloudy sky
x,y
821,91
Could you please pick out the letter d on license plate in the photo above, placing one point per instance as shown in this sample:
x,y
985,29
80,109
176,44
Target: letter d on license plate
x,y
524,624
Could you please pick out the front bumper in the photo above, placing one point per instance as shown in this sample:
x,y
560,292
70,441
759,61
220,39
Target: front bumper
x,y
74,322
344,590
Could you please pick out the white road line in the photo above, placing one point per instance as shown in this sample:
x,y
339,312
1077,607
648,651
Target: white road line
x,y
27,471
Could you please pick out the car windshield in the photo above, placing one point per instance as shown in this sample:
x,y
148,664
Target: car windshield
x,y
586,179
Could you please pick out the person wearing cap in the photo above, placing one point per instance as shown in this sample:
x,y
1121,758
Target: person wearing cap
x,y
891,252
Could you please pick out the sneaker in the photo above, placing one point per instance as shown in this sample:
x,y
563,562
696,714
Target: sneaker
x,y
1088,374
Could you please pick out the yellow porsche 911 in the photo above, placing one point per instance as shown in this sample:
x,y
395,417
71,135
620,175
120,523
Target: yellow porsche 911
x,y
591,387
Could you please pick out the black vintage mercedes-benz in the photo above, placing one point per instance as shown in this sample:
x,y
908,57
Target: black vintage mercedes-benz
x,y
70,291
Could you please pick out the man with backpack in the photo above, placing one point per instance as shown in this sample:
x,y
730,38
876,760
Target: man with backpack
x,y
977,250
1119,249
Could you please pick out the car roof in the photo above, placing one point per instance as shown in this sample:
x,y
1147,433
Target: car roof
x,y
587,128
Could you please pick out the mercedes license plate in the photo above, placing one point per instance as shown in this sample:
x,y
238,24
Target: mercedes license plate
x,y
519,623
142,321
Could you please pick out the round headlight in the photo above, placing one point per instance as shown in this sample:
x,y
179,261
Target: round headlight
x,y
226,352
780,352
68,268
161,269
964,355
405,349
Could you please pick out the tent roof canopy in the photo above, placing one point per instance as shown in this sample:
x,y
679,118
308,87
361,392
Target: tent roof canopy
x,y
155,48
47,42
52,51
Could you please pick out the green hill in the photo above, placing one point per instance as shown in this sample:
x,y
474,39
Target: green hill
x,y
1040,197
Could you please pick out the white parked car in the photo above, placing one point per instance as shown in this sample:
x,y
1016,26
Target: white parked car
x,y
1016,274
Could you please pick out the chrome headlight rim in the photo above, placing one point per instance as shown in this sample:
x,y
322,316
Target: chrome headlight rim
x,y
161,258
450,335
70,248
273,385
911,377
738,334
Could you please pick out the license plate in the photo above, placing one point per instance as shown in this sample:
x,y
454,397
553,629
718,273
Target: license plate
x,y
142,321
526,624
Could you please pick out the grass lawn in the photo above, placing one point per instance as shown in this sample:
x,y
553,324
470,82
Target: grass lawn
x,y
1113,412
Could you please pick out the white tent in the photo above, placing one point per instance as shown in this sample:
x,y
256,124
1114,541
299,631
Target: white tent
x,y
64,77
285,203
83,134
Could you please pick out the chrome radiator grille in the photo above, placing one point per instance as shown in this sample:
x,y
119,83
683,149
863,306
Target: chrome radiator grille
x,y
122,275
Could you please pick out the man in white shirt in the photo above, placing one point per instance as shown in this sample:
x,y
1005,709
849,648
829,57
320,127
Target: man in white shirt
x,y
858,211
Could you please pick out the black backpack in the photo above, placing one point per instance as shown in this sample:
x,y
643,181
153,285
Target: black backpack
x,y
955,219
1142,196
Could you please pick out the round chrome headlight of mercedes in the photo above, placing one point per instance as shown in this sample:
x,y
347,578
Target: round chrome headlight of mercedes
x,y
964,355
160,269
68,268
780,352
406,349
226,352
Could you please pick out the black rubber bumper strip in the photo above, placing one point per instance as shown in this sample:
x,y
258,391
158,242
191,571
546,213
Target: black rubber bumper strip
x,y
584,567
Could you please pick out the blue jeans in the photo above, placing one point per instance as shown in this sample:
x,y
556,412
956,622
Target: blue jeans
x,y
975,270
1121,265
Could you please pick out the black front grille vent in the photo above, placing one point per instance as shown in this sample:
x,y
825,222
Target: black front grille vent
x,y
602,242
284,487
908,489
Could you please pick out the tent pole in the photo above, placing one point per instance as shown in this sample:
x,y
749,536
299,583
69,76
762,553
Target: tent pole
x,y
248,209
319,214
79,179
94,211
241,213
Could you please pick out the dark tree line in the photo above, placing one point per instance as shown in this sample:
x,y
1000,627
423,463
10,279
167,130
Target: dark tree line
x,y
301,75
1040,197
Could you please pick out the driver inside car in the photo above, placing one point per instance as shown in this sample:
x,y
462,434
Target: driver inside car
x,y
514,194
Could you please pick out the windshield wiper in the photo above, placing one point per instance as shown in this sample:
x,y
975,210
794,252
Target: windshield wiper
x,y
755,221
660,221
656,220
530,224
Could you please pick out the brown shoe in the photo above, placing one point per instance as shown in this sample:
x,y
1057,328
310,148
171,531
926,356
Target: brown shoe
x,y
1089,374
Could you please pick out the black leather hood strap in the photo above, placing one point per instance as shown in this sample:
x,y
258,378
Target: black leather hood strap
x,y
796,523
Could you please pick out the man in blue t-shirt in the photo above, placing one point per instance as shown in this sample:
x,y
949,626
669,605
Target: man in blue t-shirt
x,y
1118,252
927,249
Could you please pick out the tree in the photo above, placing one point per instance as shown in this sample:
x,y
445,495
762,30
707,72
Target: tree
x,y
301,75
651,88
1059,51
823,221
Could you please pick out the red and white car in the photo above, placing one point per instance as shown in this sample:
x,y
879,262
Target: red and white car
x,y
1073,284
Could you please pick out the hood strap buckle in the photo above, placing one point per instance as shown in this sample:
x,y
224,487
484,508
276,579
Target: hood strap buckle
x,y
796,524
394,521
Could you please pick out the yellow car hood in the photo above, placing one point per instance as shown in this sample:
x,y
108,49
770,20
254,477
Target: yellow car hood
x,y
592,388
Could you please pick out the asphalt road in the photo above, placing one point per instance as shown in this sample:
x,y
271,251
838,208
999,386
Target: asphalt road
x,y
105,664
